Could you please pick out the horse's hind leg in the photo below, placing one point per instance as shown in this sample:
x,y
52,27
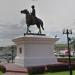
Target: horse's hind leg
x,y
39,29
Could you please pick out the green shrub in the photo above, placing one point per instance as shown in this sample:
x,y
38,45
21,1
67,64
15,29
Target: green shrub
x,y
36,70
65,59
2,69
57,67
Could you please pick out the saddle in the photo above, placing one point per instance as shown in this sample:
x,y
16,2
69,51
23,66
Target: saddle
x,y
33,19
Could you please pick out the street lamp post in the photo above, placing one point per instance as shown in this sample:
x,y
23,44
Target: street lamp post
x,y
12,53
67,32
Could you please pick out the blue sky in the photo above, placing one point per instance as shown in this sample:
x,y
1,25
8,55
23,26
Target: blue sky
x,y
56,15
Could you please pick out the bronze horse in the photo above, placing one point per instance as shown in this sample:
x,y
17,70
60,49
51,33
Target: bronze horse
x,y
30,20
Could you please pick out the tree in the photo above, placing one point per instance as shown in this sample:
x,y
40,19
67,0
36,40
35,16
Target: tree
x,y
73,43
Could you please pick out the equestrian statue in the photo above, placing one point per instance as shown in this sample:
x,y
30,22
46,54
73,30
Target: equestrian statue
x,y
31,19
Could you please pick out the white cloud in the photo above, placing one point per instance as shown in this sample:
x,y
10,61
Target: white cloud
x,y
56,15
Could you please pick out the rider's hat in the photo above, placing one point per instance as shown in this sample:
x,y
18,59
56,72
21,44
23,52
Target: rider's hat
x,y
33,6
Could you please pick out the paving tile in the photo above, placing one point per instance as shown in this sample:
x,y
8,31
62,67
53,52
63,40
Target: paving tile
x,y
11,67
13,73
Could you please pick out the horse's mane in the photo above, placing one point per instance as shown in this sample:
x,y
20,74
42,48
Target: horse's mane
x,y
28,12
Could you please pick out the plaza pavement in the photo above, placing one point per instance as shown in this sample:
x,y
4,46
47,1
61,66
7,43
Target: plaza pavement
x,y
14,73
13,69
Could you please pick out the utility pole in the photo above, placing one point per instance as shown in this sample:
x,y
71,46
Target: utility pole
x,y
67,32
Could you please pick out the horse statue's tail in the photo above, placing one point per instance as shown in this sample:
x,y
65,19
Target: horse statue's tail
x,y
42,25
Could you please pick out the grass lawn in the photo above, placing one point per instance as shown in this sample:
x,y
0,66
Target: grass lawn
x,y
57,73
1,73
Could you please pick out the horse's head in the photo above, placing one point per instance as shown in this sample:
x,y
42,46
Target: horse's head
x,y
25,11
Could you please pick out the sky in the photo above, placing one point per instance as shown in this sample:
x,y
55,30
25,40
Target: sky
x,y
56,15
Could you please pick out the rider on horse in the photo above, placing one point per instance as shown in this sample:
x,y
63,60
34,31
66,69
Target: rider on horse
x,y
33,13
31,19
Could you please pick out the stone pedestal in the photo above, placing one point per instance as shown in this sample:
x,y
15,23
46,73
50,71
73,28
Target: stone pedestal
x,y
35,50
